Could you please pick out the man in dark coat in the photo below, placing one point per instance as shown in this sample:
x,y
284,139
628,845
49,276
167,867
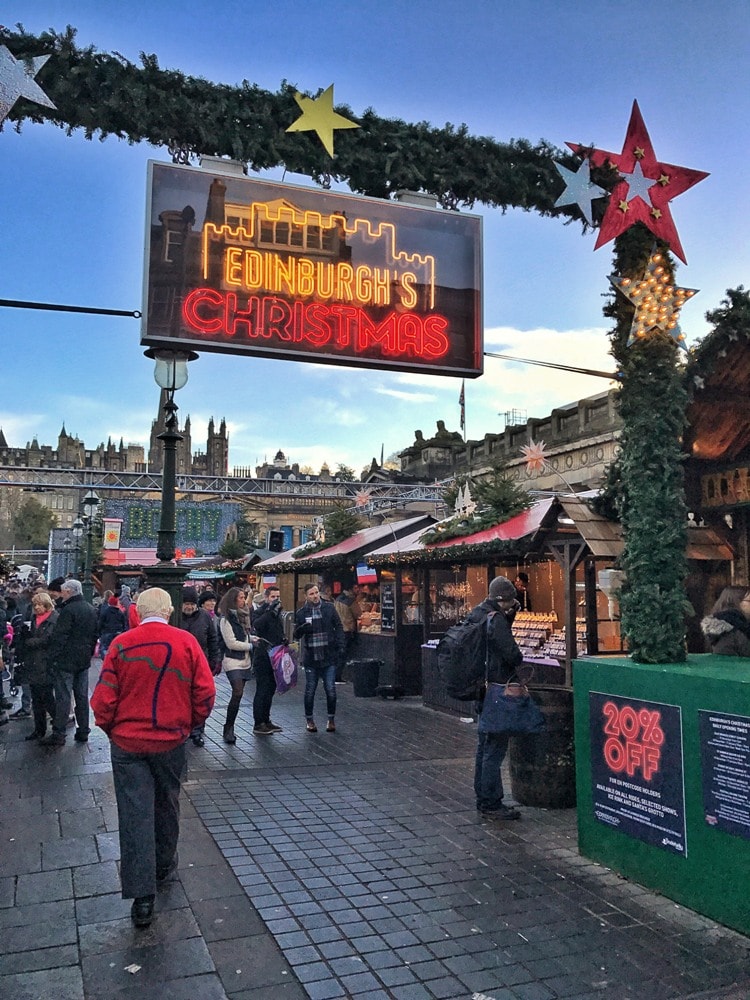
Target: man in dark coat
x,y
318,626
199,624
503,659
267,623
71,647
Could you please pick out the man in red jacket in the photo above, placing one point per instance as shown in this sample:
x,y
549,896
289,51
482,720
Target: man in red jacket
x,y
155,687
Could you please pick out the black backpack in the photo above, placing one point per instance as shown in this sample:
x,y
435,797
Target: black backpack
x,y
462,658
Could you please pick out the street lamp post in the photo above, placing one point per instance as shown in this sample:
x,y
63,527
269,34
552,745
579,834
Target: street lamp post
x,y
171,374
67,546
90,504
77,531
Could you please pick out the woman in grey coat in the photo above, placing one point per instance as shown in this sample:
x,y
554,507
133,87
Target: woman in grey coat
x,y
727,627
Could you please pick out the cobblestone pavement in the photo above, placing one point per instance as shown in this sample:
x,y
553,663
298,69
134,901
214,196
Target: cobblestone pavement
x,y
326,865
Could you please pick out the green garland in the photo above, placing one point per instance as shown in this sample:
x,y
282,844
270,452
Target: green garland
x,y
651,498
109,95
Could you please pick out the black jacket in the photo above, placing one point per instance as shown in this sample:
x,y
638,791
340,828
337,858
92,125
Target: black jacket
x,y
504,656
74,636
332,626
36,652
727,633
201,625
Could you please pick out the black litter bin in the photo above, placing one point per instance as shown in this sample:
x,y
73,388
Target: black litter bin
x,y
366,677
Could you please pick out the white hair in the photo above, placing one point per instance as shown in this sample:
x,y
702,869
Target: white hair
x,y
154,602
72,586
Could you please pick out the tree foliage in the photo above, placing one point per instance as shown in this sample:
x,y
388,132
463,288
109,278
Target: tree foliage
x,y
651,496
32,525
107,94
497,498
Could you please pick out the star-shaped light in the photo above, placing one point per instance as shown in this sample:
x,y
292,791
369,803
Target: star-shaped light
x,y
535,456
17,80
318,116
666,182
362,498
579,189
657,302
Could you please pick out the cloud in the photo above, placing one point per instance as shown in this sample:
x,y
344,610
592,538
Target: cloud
x,y
408,397
18,430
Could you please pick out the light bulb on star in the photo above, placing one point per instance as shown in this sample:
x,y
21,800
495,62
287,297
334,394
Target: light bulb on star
x,y
657,302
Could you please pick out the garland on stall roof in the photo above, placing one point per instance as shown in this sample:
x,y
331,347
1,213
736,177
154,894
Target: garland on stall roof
x,y
110,95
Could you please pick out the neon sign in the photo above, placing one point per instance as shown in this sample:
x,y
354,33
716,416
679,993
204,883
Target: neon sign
x,y
249,267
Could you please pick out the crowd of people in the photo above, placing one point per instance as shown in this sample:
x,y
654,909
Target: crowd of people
x,y
156,686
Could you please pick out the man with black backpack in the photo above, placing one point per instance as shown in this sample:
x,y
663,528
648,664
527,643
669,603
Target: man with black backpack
x,y
503,658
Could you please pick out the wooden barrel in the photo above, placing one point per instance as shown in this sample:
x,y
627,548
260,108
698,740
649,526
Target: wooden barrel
x,y
542,767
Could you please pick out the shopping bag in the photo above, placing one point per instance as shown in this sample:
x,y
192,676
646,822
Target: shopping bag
x,y
509,708
284,662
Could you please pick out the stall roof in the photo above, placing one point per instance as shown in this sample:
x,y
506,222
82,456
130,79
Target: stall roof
x,y
546,518
360,543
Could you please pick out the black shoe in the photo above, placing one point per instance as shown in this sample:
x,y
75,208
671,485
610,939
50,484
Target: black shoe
x,y
34,736
20,714
7,703
169,870
229,736
81,737
501,813
142,911
273,728
263,729
53,740
198,740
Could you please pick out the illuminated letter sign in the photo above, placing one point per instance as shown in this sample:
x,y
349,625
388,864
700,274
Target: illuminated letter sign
x,y
249,267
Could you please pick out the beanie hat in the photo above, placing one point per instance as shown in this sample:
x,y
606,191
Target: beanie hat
x,y
189,595
113,602
501,588
207,595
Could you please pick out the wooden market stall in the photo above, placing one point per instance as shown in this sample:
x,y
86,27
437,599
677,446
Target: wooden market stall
x,y
382,636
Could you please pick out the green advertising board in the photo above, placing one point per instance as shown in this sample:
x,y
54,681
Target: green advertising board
x,y
663,777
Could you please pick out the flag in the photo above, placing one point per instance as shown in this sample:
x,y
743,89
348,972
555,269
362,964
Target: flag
x,y
462,404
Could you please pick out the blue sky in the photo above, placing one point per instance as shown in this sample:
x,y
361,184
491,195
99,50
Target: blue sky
x,y
73,211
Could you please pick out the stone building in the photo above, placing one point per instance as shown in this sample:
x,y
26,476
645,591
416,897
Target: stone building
x,y
580,443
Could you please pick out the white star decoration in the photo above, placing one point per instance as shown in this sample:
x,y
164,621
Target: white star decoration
x,y
657,302
579,190
535,457
16,80
638,185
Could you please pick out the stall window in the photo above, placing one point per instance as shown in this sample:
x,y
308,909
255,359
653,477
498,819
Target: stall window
x,y
369,598
449,596
412,592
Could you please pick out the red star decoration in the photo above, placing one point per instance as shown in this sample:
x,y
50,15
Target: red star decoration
x,y
668,182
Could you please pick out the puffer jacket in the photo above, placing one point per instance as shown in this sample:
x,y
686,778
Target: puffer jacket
x,y
727,633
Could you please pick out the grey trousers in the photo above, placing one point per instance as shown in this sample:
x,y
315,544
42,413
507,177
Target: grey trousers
x,y
147,787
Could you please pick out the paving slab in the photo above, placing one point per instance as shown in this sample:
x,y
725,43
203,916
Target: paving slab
x,y
331,865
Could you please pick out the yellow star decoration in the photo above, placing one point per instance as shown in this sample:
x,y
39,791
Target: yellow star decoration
x,y
657,302
318,116
639,152
535,457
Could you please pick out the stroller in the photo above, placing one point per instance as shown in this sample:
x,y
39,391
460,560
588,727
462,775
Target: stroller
x,y
10,650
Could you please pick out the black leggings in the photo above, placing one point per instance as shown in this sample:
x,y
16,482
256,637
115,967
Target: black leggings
x,y
238,686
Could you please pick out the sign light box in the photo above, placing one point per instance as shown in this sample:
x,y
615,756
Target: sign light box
x,y
244,266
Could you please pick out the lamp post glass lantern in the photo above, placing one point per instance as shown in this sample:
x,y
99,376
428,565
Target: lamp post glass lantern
x,y
77,531
170,374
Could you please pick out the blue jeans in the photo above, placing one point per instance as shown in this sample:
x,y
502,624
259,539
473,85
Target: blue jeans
x,y
488,782
313,674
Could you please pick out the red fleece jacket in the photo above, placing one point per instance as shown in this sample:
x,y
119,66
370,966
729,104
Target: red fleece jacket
x,y
154,687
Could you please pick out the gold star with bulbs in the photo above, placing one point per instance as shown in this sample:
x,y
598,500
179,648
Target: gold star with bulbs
x,y
657,302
